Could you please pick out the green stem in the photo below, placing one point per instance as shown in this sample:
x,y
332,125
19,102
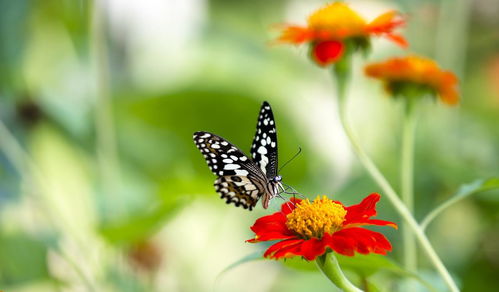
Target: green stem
x,y
473,188
424,223
389,192
407,182
107,153
330,267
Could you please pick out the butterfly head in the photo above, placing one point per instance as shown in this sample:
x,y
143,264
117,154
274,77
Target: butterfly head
x,y
277,179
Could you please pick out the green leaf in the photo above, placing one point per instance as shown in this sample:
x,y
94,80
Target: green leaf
x,y
140,226
464,191
480,185
371,287
367,265
23,259
255,256
298,263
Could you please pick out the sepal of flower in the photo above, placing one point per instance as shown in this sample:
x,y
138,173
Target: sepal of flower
x,y
310,229
335,28
414,77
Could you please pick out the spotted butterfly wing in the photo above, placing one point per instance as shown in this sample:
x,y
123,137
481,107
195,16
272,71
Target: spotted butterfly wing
x,y
264,147
240,180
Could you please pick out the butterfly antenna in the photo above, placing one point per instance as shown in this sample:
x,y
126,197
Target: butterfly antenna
x,y
294,156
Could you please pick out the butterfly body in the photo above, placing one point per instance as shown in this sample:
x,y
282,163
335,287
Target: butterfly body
x,y
243,180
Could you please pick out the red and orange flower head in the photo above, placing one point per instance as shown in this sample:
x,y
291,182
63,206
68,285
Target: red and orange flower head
x,y
309,229
413,74
331,27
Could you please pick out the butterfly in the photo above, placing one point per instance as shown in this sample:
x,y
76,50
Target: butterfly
x,y
243,180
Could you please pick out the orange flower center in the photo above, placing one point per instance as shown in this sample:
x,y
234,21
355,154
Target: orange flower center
x,y
314,219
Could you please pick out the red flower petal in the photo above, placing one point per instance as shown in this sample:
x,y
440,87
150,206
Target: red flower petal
x,y
288,251
358,215
364,241
283,247
312,248
362,211
288,207
271,227
327,52
376,222
342,244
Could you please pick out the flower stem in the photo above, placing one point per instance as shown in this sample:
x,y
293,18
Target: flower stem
x,y
407,182
342,81
106,145
330,267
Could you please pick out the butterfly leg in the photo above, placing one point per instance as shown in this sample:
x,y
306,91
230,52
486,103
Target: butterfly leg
x,y
291,191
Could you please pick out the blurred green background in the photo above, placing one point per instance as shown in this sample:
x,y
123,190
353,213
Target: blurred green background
x,y
102,188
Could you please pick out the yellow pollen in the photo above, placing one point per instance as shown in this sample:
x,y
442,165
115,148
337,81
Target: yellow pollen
x,y
339,17
313,219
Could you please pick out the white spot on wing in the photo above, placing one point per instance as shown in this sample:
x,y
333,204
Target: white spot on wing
x,y
231,166
241,172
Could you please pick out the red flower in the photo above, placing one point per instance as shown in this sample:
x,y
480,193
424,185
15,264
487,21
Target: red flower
x,y
331,26
309,229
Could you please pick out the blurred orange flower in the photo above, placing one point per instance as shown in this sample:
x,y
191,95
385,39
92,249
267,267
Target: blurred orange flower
x,y
331,26
309,229
414,72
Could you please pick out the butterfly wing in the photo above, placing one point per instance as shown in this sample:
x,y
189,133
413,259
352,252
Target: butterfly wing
x,y
264,147
240,180
239,190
